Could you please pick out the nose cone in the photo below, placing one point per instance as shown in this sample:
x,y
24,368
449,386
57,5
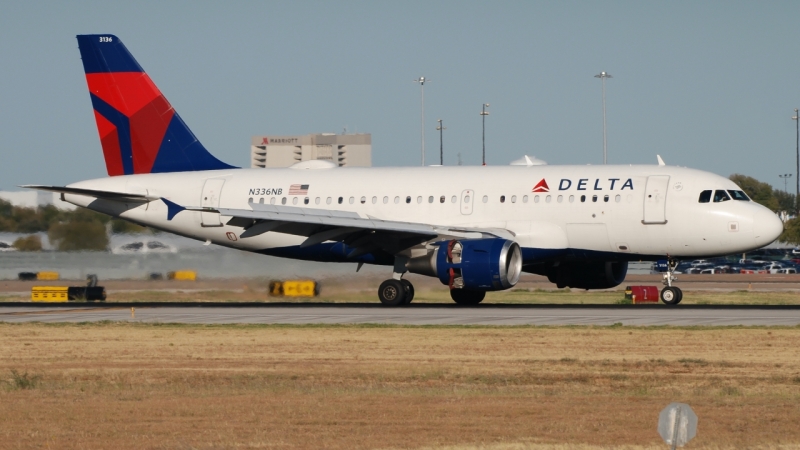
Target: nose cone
x,y
766,227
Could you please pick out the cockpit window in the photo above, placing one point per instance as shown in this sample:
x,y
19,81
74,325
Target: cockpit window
x,y
721,196
705,197
739,195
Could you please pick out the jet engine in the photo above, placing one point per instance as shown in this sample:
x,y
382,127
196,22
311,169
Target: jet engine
x,y
588,275
473,264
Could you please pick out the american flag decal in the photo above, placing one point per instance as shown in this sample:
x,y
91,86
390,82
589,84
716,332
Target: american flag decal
x,y
298,189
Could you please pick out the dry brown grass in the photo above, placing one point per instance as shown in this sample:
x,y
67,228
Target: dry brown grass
x,y
171,386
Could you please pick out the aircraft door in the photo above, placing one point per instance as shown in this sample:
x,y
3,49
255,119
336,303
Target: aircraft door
x,y
655,200
210,199
467,199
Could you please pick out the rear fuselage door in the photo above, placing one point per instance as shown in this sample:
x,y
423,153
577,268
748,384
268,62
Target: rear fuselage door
x,y
655,200
467,199
212,190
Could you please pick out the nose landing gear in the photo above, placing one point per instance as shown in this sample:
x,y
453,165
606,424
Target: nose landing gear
x,y
671,295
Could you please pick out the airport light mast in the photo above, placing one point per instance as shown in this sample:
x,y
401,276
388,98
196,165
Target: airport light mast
x,y
484,113
603,76
796,119
422,81
785,177
441,129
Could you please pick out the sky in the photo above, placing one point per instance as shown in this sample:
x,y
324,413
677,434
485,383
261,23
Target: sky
x,y
710,85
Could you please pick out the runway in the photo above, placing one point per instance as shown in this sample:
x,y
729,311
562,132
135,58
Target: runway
x,y
425,314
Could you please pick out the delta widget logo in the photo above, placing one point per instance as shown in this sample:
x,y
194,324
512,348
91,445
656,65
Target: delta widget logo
x,y
541,186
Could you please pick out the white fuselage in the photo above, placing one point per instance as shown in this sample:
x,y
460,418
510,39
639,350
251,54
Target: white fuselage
x,y
634,212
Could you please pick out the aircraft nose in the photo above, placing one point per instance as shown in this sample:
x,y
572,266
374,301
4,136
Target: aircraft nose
x,y
766,227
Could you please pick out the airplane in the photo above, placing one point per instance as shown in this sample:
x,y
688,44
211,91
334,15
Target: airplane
x,y
476,229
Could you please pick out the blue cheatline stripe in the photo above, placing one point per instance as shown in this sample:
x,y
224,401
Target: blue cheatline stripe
x,y
123,130
180,151
102,53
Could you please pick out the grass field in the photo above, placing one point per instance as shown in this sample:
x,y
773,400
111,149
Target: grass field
x,y
503,388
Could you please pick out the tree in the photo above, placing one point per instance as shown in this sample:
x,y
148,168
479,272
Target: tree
x,y
32,243
791,232
76,236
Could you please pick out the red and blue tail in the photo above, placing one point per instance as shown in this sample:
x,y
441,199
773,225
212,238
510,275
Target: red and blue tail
x,y
139,130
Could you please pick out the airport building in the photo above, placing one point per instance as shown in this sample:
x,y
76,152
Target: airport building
x,y
345,150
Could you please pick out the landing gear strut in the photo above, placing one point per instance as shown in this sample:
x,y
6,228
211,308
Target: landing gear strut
x,y
671,295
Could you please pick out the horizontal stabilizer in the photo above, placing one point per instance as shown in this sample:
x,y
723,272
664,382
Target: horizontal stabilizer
x,y
105,195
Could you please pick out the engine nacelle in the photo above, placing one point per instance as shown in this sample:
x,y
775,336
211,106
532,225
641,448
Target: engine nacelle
x,y
589,275
475,264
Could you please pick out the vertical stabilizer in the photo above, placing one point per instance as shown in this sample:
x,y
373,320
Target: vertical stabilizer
x,y
140,132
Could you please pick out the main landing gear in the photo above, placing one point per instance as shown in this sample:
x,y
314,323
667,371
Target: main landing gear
x,y
396,291
671,295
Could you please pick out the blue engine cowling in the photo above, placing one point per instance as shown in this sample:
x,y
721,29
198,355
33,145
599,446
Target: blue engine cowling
x,y
478,264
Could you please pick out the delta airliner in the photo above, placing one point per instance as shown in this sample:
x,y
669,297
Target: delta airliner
x,y
475,228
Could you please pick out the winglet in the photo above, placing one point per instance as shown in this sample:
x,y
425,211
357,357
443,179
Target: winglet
x,y
172,208
660,161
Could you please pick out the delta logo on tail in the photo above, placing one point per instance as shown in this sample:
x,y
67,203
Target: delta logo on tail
x,y
541,186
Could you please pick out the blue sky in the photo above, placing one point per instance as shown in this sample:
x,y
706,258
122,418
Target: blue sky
x,y
710,85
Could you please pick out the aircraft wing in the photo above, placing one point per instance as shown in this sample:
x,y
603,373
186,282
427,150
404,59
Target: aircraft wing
x,y
105,195
362,232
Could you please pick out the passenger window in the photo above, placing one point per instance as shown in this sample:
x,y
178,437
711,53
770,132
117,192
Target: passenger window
x,y
283,201
535,199
250,200
547,199
341,199
396,200
328,201
571,198
408,199
466,199
305,201
385,200
374,200
594,198
316,201
430,199
441,199
363,200
294,201
352,200
419,199
705,197
272,200
605,199
618,198
721,196
739,195
524,199
502,199
583,198
485,199
513,199
560,198
453,199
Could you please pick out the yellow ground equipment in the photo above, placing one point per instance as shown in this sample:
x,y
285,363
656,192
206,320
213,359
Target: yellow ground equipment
x,y
47,276
51,294
294,288
182,275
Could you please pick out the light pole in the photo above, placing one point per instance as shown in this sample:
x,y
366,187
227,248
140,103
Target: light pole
x,y
441,129
785,178
796,119
422,81
603,76
484,113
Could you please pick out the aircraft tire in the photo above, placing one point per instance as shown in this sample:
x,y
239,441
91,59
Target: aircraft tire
x,y
392,293
467,297
671,295
409,291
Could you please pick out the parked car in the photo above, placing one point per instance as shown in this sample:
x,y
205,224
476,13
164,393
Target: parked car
x,y
139,247
6,247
